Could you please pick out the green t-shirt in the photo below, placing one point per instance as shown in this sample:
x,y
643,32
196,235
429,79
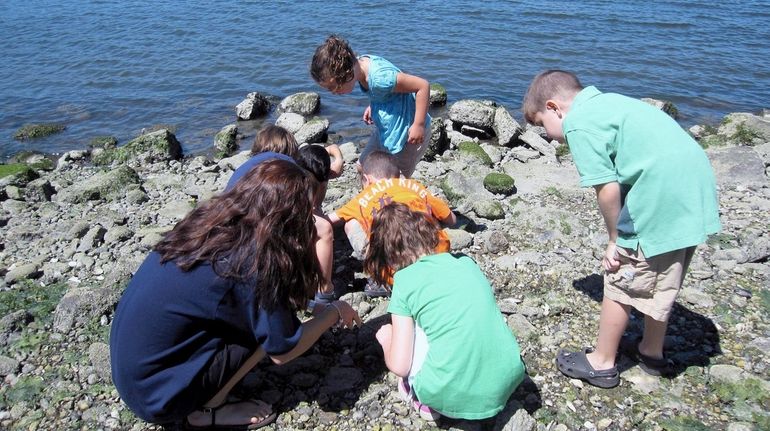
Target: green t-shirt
x,y
473,362
668,191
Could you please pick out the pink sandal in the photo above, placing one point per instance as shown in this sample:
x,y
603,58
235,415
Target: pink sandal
x,y
425,412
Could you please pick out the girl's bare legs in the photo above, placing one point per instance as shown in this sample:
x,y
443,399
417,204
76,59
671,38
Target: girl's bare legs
x,y
324,249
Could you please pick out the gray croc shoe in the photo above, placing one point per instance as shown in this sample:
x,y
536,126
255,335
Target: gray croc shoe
x,y
576,365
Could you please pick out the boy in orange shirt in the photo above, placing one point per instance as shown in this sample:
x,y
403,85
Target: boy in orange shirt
x,y
382,185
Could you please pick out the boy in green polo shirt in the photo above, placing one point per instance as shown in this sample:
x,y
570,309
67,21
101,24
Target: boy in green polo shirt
x,y
657,195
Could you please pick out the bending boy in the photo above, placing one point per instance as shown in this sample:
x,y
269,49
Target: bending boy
x,y
657,195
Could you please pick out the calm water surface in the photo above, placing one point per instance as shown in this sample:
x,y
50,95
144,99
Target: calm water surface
x,y
116,67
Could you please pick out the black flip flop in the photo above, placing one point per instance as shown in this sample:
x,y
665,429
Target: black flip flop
x,y
214,426
576,365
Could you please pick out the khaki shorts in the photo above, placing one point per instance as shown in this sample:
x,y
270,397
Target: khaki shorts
x,y
649,285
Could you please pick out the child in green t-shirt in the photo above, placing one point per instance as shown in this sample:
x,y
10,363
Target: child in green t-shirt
x,y
448,342
657,195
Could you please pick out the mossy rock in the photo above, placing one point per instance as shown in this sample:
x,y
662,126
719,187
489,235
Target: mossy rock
x,y
473,151
39,130
438,95
151,147
34,159
488,209
18,174
104,142
499,183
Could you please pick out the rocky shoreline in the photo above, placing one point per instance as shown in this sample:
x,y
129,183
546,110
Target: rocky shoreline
x,y
74,231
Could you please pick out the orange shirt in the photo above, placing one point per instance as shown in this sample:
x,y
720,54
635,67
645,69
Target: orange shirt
x,y
403,190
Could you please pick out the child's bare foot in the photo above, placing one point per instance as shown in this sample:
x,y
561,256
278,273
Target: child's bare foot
x,y
251,414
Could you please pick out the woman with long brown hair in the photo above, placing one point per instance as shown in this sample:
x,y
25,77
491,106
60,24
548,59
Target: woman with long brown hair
x,y
217,294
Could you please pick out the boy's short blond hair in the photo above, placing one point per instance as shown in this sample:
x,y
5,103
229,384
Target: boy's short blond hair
x,y
551,84
380,164
275,139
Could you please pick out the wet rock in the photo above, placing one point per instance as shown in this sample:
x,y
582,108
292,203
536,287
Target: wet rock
x,y
305,103
438,95
225,141
254,105
438,139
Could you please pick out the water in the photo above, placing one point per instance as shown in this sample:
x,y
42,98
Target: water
x,y
117,67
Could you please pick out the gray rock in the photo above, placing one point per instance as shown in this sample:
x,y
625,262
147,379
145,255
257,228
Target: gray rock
x,y
520,421
39,190
93,238
13,322
158,146
136,197
736,254
746,128
438,139
493,241
472,153
14,207
24,271
8,366
312,131
473,113
99,354
107,185
175,210
663,105
305,103
77,230
536,142
225,141
520,326
738,165
14,192
290,121
524,154
489,209
80,305
349,152
723,373
254,105
459,239
505,127
118,234
697,297
740,426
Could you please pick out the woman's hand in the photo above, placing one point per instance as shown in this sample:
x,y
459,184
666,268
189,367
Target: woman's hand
x,y
610,261
347,314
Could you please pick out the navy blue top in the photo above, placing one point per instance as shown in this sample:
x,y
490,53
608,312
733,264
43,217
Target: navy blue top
x,y
254,161
168,326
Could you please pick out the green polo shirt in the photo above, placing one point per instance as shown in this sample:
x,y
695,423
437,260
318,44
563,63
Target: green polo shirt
x,y
668,190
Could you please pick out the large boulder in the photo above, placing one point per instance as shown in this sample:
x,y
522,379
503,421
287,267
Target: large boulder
x,y
505,127
153,147
253,106
291,122
738,166
312,131
536,142
475,113
107,185
306,103
81,305
472,152
745,129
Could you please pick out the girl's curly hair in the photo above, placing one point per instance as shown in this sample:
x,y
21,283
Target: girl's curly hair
x,y
333,60
399,237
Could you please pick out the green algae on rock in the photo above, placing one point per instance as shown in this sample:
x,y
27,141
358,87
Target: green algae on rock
x,y
499,183
38,130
